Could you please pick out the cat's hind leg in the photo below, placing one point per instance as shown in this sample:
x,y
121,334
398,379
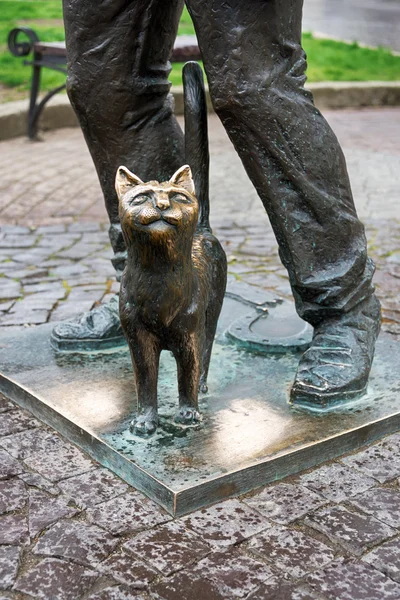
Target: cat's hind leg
x,y
212,315
145,353
188,360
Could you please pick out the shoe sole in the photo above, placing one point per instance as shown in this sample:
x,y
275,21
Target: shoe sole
x,y
86,345
324,402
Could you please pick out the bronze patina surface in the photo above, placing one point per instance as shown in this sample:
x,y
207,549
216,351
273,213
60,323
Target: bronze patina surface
x,y
249,434
174,281
118,67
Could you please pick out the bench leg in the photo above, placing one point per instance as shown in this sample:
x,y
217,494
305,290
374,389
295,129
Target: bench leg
x,y
35,85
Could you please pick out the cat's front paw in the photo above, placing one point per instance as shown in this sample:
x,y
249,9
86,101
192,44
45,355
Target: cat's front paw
x,y
187,415
145,424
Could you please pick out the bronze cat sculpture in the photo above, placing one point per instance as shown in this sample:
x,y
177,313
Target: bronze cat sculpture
x,y
174,281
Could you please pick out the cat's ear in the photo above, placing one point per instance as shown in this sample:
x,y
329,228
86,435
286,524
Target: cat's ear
x,y
125,180
183,178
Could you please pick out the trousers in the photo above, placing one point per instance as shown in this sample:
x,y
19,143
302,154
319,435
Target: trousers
x,y
118,65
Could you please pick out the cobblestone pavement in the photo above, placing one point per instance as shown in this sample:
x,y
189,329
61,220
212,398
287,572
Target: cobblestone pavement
x,y
372,22
70,529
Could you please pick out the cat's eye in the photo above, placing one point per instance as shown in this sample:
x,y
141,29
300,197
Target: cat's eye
x,y
139,199
181,198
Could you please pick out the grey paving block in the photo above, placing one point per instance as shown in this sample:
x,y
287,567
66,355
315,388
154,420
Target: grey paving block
x,y
13,495
234,574
382,503
5,404
13,530
117,593
45,510
284,503
127,570
55,579
386,558
129,513
186,587
351,530
337,482
37,481
169,547
9,289
9,467
64,460
290,551
351,580
93,487
9,563
16,421
381,461
25,443
77,541
275,589
226,523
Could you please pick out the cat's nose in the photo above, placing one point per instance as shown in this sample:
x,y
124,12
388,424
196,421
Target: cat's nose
x,y
162,202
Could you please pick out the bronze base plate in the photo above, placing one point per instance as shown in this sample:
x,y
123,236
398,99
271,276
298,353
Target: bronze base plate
x,y
249,435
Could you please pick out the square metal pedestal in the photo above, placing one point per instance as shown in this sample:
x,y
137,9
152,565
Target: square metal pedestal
x,y
249,435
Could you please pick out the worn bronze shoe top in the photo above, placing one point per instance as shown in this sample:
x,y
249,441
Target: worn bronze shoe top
x,y
336,367
98,329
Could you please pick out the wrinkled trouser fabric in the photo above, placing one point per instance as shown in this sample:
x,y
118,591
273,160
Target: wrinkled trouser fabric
x,y
118,53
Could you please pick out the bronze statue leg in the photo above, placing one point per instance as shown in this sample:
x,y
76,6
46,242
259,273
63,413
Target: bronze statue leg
x,y
188,361
145,353
118,52
256,72
118,68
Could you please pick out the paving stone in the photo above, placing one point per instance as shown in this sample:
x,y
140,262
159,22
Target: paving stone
x,y
10,289
45,510
117,593
5,404
37,481
234,574
16,421
54,579
386,558
169,547
93,487
337,482
274,589
127,570
8,465
17,241
9,563
24,317
63,461
382,503
186,587
226,523
77,541
13,530
290,551
13,495
351,580
129,513
72,270
21,445
284,503
5,306
380,461
352,530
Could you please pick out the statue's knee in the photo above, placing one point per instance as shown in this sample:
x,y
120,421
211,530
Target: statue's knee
x,y
234,98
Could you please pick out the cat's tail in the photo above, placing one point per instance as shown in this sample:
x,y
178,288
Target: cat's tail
x,y
196,137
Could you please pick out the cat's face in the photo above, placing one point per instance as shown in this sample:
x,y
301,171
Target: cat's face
x,y
160,210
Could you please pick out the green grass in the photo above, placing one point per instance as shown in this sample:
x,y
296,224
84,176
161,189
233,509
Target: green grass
x,y
327,60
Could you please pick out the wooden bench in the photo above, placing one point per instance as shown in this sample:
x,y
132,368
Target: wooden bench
x,y
52,55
